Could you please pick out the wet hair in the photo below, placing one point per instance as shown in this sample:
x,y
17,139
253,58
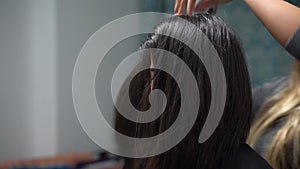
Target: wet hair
x,y
234,125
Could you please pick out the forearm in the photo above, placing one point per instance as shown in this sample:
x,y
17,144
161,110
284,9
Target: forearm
x,y
279,17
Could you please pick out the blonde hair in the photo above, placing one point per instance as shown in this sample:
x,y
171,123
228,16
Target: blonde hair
x,y
283,106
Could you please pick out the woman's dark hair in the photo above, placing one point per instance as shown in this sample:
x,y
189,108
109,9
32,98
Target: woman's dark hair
x,y
233,128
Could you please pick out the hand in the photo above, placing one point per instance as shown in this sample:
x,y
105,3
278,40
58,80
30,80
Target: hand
x,y
202,5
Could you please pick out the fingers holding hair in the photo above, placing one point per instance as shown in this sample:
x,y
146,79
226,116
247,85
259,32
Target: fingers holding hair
x,y
190,6
181,6
176,7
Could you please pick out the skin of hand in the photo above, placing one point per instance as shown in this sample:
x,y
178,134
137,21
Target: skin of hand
x,y
180,5
279,17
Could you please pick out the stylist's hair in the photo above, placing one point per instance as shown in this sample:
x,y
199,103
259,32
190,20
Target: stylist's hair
x,y
282,109
234,126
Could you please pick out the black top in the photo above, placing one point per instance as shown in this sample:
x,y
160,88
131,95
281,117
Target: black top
x,y
246,158
293,45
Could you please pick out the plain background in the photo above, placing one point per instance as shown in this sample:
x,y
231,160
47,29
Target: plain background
x,y
39,44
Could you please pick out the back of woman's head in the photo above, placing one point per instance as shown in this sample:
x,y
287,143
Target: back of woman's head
x,y
234,125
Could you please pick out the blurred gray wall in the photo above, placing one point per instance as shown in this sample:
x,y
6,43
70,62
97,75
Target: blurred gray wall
x,y
39,44
77,21
28,82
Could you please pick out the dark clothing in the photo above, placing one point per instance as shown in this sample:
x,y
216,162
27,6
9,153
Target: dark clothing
x,y
293,45
246,158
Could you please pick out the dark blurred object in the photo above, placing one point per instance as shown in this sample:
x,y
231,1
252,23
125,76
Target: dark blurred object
x,y
103,160
294,2
213,10
44,167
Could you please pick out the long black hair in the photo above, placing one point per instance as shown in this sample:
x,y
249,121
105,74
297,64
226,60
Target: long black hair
x,y
233,128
